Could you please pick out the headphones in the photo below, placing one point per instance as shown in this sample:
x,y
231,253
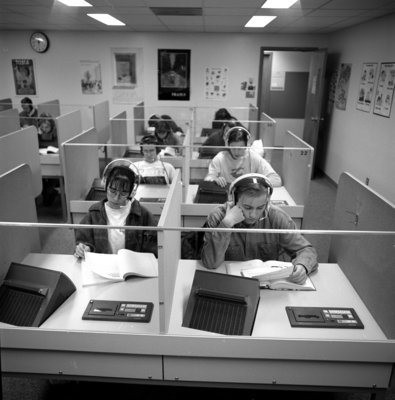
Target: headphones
x,y
247,181
150,139
246,136
122,163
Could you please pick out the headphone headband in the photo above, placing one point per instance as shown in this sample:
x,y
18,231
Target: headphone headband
x,y
122,162
254,178
236,128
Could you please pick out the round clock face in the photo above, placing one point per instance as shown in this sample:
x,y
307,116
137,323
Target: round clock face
x,y
39,42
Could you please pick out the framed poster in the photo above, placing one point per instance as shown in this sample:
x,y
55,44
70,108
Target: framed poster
x,y
91,82
385,90
342,86
24,77
366,87
174,74
124,69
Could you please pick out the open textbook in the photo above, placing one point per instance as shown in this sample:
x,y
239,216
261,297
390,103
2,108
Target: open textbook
x,y
271,274
104,268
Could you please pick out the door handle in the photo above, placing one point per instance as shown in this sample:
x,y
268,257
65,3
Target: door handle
x,y
317,119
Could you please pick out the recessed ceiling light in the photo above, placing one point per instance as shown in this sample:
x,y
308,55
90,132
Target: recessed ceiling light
x,y
259,21
106,19
278,3
75,3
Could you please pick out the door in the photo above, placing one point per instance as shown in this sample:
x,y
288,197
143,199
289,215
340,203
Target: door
x,y
314,101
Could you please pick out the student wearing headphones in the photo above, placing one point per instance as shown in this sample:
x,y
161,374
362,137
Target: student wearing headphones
x,y
235,161
28,115
249,208
120,208
152,169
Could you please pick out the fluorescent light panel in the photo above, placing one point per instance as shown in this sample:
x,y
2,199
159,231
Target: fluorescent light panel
x,y
259,21
106,19
278,3
75,3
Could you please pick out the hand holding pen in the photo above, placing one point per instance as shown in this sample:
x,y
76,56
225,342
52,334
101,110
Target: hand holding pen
x,y
80,250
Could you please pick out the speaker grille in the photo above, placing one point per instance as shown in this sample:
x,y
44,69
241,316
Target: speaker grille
x,y
219,316
19,307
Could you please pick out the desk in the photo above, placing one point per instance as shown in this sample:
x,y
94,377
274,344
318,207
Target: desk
x,y
51,169
275,357
195,214
78,208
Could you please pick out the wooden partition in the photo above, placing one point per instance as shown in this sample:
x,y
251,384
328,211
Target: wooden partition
x,y
81,167
9,121
119,135
5,104
367,260
21,147
169,250
101,121
50,107
297,167
17,205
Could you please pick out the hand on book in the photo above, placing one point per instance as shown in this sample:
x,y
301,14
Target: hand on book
x,y
299,274
80,250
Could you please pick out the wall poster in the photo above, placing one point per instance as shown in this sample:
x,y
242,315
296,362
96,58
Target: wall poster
x,y
216,83
366,87
24,78
91,82
385,90
127,80
174,74
342,86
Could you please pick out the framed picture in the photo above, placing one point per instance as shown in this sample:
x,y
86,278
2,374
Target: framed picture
x,y
124,69
91,82
343,82
24,77
366,87
174,74
385,90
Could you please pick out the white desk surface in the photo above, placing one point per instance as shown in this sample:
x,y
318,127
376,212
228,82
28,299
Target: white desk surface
x,y
69,315
279,193
272,320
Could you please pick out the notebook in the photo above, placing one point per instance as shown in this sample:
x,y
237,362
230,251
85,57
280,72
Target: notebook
x,y
211,193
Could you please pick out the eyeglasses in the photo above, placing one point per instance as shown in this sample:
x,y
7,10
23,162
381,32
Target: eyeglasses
x,y
122,193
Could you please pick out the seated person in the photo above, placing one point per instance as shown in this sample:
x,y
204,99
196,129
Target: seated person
x,y
216,139
152,169
47,133
173,126
167,137
153,123
221,116
235,161
29,114
120,208
249,208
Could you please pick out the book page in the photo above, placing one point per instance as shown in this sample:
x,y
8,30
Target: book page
x,y
270,269
104,265
285,284
136,263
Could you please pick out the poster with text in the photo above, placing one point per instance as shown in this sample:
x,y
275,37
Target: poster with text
x,y
216,83
366,87
91,82
23,71
174,74
342,86
385,90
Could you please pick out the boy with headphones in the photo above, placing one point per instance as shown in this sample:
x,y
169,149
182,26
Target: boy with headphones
x,y
249,208
152,169
121,180
235,161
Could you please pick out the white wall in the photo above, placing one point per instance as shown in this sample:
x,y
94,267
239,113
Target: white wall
x,y
359,142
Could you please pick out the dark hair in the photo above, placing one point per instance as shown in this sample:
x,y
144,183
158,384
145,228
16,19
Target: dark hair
x,y
252,187
173,126
153,121
238,134
27,100
152,140
163,126
46,117
124,175
221,116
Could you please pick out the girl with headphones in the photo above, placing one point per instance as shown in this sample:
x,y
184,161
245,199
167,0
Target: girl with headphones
x,y
238,160
249,207
152,169
121,180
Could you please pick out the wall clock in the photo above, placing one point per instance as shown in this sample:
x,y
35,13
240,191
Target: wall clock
x,y
39,42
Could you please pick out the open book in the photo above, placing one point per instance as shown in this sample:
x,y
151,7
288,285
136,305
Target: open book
x,y
104,268
271,274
